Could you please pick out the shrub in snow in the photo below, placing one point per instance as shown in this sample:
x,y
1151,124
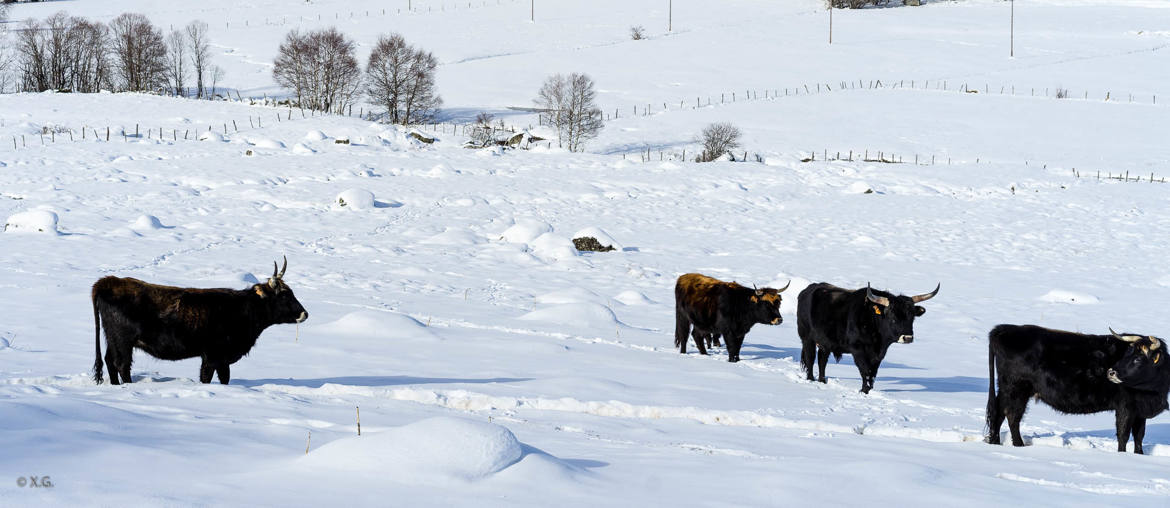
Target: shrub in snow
x,y
718,139
600,235
32,221
357,199
590,244
637,32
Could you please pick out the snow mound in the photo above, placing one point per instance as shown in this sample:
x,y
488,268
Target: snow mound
x,y
552,246
147,222
631,297
212,136
602,237
453,236
571,295
32,221
4,344
375,324
1071,297
581,314
302,149
859,188
440,448
525,231
265,143
357,199
315,136
441,171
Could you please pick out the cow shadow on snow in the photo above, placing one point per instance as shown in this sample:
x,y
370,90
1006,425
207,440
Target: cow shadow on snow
x,y
762,351
1156,434
952,384
373,381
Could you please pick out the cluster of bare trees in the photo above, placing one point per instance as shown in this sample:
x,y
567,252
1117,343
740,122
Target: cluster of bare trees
x,y
570,105
320,68
322,71
66,52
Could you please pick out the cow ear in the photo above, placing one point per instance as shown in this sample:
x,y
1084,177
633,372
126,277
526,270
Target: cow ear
x,y
260,290
919,310
1157,358
877,309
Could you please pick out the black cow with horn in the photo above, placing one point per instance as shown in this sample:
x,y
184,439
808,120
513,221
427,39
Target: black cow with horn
x,y
1076,374
861,322
171,323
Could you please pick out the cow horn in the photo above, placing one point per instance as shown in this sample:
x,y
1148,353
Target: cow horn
x,y
880,300
282,268
781,290
759,292
1127,338
1156,345
927,296
272,280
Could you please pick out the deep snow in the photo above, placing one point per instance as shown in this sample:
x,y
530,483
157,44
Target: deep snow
x,y
495,365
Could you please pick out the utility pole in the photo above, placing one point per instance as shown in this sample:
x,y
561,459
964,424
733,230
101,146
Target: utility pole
x,y
532,11
670,16
830,22
1013,30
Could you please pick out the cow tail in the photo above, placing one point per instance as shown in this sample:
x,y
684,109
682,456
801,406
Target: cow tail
x,y
993,409
682,327
97,341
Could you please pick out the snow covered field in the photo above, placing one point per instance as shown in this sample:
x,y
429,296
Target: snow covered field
x,y
492,363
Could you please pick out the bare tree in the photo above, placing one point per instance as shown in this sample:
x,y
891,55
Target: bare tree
x,y
199,52
139,53
718,139
216,75
177,61
402,78
320,68
483,134
572,110
6,45
89,44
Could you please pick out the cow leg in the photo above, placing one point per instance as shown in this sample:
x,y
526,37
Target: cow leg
x,y
1125,424
822,362
206,370
699,339
995,420
862,362
1139,432
808,353
1015,402
112,363
734,342
224,373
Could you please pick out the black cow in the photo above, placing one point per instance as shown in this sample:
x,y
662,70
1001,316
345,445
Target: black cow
x,y
1077,374
863,323
218,325
715,308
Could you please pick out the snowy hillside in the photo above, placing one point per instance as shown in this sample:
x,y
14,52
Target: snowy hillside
x,y
495,365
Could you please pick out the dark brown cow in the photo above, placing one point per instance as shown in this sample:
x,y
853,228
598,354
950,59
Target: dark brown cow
x,y
171,323
706,308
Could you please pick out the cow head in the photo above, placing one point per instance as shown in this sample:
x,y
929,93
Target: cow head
x,y
894,315
765,307
281,302
1144,364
